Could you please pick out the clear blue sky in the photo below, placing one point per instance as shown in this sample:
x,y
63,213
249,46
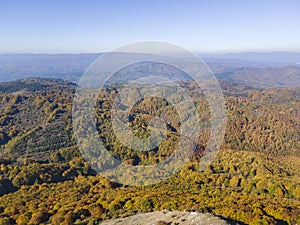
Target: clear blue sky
x,y
57,26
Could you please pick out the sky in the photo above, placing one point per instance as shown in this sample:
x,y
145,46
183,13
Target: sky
x,y
73,26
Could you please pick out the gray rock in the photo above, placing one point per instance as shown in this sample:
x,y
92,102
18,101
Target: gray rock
x,y
168,218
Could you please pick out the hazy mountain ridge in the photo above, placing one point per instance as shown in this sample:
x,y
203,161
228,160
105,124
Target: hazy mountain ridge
x,y
62,66
267,77
260,58
254,69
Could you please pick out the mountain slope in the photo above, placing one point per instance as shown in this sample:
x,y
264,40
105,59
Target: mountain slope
x,y
263,77
255,178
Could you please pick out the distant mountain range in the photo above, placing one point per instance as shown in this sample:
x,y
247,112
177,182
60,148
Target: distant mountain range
x,y
254,69
262,58
63,66
263,77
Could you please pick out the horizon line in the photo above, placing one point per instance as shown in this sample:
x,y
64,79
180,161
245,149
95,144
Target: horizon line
x,y
196,52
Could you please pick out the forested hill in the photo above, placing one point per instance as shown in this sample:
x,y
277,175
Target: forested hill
x,y
263,77
33,84
255,178
36,117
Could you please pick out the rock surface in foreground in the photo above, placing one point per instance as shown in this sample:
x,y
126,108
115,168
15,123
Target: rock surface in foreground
x,y
168,218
